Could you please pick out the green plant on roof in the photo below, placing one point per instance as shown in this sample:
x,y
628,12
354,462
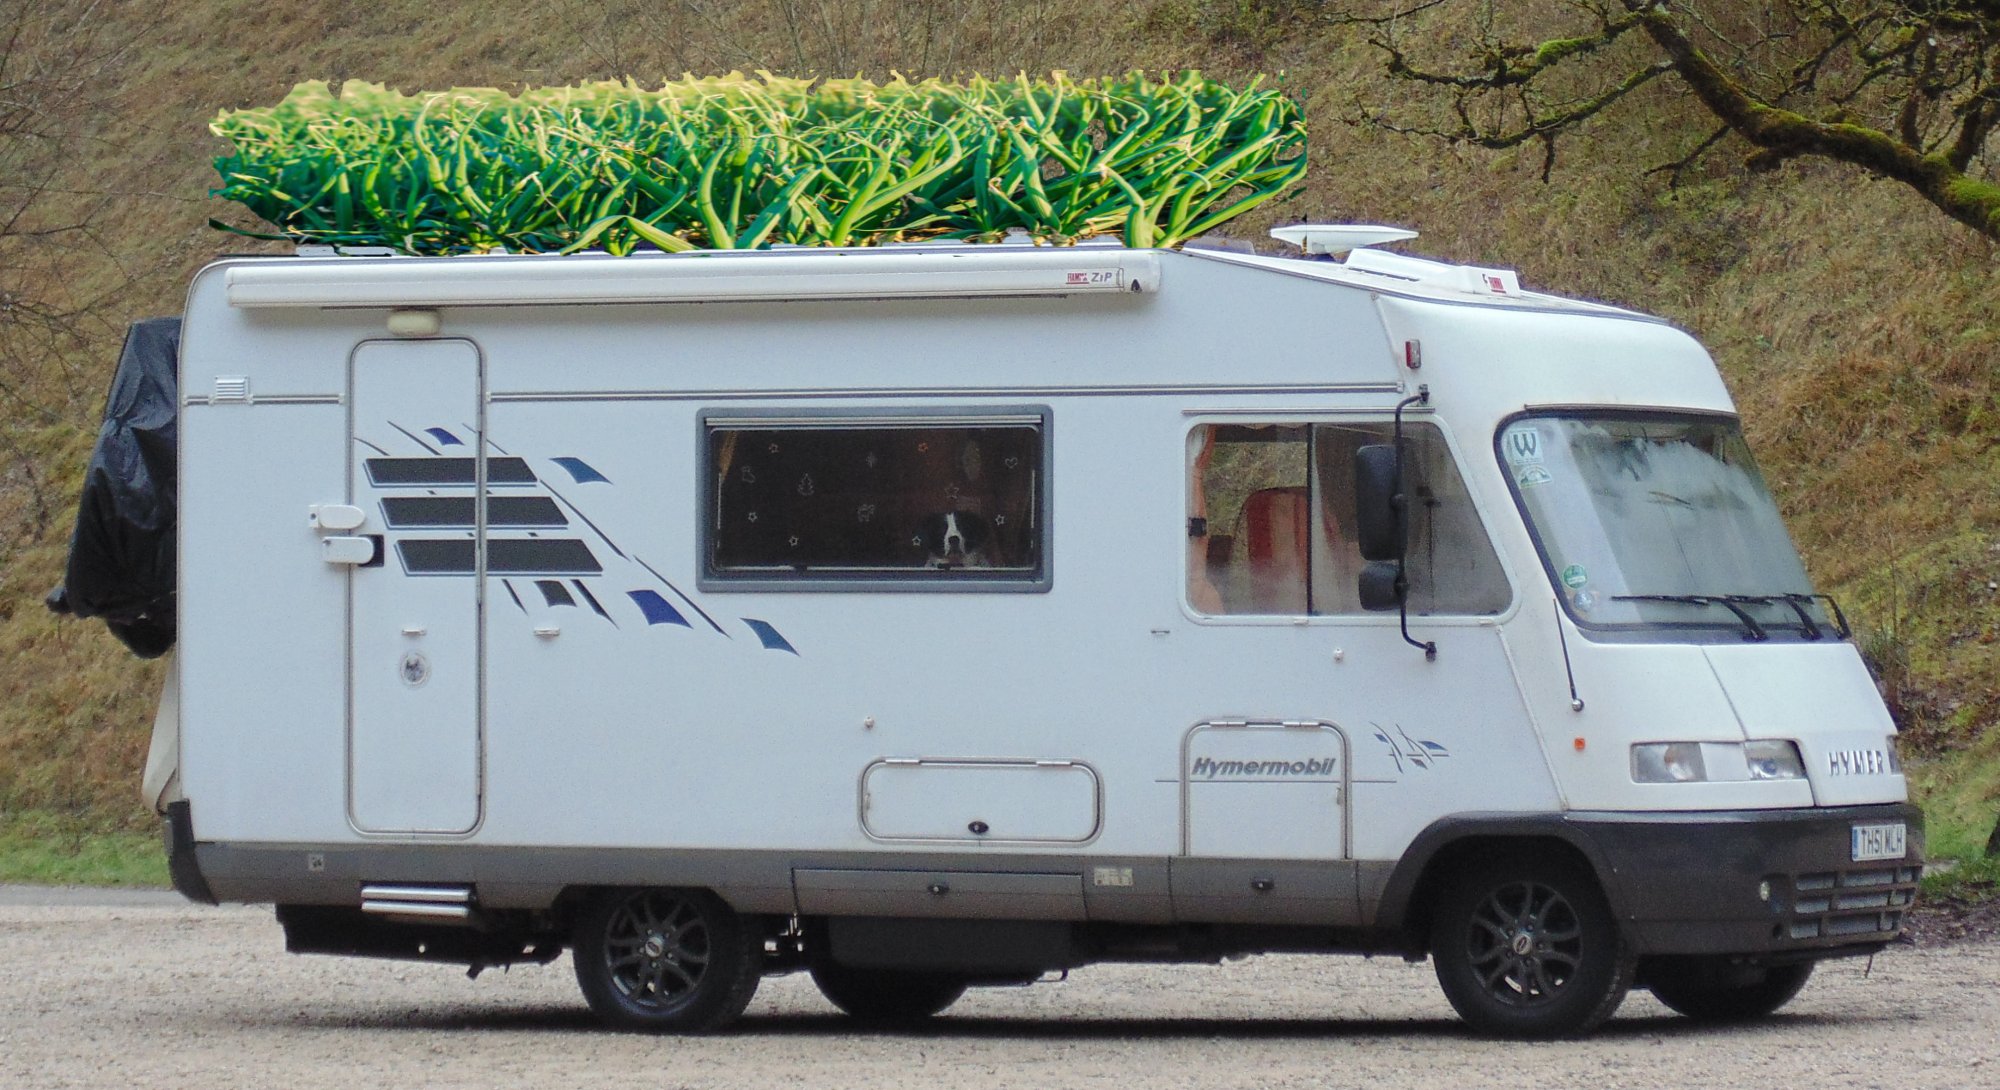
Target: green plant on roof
x,y
735,163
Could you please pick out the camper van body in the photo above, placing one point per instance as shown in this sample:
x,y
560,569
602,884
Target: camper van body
x,y
488,616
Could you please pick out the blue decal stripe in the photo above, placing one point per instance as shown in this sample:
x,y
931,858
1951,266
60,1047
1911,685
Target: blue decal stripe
x,y
444,437
581,470
657,609
769,636
512,593
724,633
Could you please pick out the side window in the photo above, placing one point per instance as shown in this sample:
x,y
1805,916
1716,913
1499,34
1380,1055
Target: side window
x,y
1250,530
1272,522
938,501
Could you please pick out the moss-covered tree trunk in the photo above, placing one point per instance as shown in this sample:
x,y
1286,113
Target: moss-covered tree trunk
x,y
1939,176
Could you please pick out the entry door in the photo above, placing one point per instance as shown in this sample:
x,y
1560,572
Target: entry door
x,y
418,473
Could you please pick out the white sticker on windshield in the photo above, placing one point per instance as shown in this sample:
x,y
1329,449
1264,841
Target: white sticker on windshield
x,y
1523,445
1528,476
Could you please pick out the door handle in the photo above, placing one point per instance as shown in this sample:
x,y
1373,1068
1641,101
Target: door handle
x,y
364,551
335,516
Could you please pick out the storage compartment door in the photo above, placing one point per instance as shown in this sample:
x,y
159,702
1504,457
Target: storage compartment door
x,y
1265,791
414,662
980,801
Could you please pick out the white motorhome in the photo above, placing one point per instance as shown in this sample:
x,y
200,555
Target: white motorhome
x,y
945,615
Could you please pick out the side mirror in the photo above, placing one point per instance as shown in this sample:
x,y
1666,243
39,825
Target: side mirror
x,y
1381,586
1378,514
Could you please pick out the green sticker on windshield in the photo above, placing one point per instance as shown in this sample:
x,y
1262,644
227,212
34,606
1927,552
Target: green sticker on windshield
x,y
1574,576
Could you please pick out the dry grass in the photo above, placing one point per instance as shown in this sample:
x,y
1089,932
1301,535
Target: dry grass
x,y
1858,328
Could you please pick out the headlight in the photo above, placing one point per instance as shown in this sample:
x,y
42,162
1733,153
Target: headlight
x,y
1773,760
1668,762
1716,762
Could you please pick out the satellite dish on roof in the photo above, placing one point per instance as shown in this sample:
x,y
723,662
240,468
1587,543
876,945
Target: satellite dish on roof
x,y
1338,238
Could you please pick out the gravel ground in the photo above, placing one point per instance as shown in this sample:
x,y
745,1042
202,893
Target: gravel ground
x,y
144,990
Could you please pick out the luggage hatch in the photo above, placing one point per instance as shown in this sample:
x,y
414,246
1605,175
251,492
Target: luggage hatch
x,y
980,801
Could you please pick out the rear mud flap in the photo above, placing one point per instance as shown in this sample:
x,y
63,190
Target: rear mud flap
x,y
181,865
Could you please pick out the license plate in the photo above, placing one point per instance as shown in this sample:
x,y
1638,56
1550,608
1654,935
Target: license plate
x,y
1880,841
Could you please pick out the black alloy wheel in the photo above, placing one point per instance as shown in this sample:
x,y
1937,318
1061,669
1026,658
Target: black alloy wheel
x,y
1527,949
676,960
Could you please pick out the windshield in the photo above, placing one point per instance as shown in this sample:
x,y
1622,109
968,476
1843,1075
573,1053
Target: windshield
x,y
1660,523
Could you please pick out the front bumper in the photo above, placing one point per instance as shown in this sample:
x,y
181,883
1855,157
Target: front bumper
x,y
1777,884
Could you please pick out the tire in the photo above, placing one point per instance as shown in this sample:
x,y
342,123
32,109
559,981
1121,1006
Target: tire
x,y
1529,949
666,960
887,996
1711,990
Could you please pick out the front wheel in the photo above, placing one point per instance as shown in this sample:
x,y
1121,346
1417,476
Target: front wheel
x,y
887,996
1711,990
1529,949
673,960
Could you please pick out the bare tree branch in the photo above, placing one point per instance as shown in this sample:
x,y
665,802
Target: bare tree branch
x,y
60,64
1903,89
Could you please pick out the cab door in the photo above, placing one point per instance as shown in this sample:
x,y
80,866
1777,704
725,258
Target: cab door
x,y
1343,739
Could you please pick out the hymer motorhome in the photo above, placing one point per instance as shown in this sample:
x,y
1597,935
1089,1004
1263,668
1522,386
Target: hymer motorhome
x,y
936,616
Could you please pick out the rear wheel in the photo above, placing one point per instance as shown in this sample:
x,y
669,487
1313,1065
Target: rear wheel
x,y
676,960
1712,990
887,996
1529,949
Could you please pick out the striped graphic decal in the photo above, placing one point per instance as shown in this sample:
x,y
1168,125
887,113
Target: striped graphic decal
x,y
446,472
455,513
557,567
504,556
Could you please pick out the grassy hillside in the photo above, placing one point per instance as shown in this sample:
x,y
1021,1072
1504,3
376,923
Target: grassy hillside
x,y
1859,329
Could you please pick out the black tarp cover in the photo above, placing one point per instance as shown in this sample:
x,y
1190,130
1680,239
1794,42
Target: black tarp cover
x,y
121,557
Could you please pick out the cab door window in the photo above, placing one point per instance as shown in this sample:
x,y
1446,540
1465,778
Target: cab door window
x,y
1272,515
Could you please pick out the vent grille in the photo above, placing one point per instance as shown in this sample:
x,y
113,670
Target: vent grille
x,y
1848,904
231,388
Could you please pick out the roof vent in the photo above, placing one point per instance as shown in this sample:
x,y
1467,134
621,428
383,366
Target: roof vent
x,y
1338,238
1470,279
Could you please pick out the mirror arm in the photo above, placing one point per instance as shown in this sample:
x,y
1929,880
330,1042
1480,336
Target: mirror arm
x,y
1429,648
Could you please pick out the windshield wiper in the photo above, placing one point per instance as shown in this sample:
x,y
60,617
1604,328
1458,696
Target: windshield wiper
x,y
1799,602
1751,629
1840,627
1735,602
